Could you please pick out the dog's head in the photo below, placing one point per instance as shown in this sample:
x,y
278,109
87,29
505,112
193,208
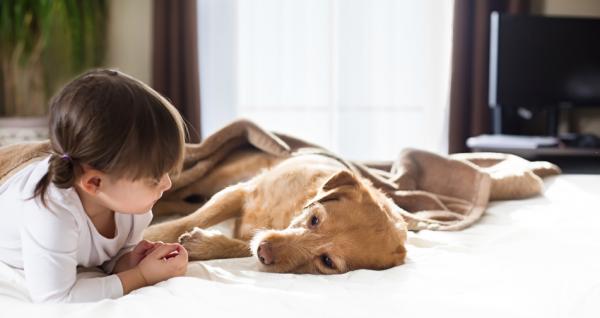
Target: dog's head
x,y
348,225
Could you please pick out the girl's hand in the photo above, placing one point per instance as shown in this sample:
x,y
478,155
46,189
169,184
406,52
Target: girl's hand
x,y
163,262
143,248
135,256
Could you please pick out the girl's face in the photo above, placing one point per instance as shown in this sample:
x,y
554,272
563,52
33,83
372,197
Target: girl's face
x,y
132,197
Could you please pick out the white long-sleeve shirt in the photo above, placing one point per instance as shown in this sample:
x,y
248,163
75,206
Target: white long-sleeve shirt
x,y
48,243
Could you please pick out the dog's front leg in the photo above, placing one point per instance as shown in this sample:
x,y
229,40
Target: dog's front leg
x,y
225,204
206,244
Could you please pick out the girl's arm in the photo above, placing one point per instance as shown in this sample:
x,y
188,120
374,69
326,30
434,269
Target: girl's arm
x,y
50,244
123,263
132,279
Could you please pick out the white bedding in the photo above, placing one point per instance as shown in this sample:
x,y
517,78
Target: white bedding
x,y
531,258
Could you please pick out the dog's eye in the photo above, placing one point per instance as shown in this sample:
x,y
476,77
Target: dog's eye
x,y
314,220
328,199
327,261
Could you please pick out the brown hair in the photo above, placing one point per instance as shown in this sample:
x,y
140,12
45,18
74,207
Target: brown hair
x,y
112,122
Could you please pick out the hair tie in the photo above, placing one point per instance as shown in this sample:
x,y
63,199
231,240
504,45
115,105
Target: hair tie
x,y
66,157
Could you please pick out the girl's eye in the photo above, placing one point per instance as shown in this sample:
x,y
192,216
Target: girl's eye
x,y
314,220
327,261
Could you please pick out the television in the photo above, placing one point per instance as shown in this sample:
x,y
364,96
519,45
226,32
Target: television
x,y
540,65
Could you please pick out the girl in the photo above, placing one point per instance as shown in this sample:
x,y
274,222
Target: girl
x,y
114,141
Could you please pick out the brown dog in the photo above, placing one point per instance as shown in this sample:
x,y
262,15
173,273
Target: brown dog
x,y
307,214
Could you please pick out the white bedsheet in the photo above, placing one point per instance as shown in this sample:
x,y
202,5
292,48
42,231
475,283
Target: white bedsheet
x,y
531,258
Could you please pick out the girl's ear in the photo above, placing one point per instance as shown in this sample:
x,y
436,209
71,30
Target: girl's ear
x,y
90,180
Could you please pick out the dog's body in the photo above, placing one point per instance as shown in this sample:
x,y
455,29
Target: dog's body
x,y
307,214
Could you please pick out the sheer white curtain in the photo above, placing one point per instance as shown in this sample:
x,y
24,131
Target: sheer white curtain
x,y
364,78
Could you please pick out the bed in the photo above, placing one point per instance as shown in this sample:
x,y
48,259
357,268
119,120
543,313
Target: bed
x,y
538,257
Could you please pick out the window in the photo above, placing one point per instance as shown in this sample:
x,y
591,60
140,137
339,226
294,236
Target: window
x,y
364,78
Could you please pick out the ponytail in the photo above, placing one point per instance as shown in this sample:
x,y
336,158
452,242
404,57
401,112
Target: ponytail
x,y
61,172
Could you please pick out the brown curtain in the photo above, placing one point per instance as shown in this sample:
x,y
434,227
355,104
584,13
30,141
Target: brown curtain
x,y
175,59
469,110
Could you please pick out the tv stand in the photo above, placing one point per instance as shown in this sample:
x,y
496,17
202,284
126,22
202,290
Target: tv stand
x,y
560,151
571,160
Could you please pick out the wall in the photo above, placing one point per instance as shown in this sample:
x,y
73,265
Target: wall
x,y
130,40
589,8
130,37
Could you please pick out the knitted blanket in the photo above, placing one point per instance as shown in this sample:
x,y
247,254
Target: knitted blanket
x,y
434,192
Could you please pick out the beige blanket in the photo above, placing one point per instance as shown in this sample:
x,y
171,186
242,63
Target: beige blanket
x,y
435,192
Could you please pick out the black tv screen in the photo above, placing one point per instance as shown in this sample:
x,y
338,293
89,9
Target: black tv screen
x,y
541,61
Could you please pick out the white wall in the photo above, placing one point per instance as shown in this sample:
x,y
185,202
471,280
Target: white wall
x,y
130,37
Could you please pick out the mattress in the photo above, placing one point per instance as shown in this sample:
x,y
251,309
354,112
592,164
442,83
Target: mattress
x,y
538,257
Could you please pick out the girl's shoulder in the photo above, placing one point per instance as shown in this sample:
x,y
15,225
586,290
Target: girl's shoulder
x,y
27,177
63,204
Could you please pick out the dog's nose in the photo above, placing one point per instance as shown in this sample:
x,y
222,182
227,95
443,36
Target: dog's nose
x,y
265,253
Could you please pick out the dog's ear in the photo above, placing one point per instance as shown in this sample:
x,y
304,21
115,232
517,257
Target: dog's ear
x,y
342,178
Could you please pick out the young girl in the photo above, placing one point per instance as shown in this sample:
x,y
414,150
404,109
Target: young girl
x,y
114,140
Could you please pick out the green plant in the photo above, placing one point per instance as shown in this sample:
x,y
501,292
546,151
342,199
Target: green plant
x,y
43,43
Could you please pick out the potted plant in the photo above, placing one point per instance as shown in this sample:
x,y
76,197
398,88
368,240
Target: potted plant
x,y
43,44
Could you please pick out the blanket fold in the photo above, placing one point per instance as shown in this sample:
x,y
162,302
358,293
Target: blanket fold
x,y
434,192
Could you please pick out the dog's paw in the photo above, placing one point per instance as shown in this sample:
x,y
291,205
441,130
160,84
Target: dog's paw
x,y
200,243
198,234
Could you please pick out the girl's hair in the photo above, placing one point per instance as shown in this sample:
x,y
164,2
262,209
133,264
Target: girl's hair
x,y
114,123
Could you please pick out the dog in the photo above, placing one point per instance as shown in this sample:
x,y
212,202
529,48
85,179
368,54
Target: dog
x,y
306,214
